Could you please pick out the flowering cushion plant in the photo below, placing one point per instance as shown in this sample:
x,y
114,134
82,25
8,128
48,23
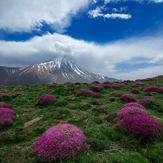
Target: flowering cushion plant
x,y
151,88
145,101
87,92
131,108
60,142
6,116
46,99
128,97
141,125
96,87
5,105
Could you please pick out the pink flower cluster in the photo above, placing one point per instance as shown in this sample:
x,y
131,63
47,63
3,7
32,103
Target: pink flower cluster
x,y
145,101
151,88
5,105
160,90
141,125
87,92
6,116
46,99
137,83
135,90
96,87
131,108
106,82
60,142
117,85
14,95
4,95
8,95
128,97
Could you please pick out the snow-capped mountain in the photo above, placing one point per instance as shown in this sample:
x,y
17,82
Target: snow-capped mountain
x,y
59,70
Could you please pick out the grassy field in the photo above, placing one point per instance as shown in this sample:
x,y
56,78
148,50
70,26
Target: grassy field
x,y
93,116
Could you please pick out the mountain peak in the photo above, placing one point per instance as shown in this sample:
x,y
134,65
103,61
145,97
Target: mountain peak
x,y
58,70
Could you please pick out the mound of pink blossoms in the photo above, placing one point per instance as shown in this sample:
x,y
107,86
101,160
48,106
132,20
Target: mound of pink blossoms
x,y
106,82
96,87
87,92
4,95
46,99
128,97
135,90
137,83
145,101
14,95
117,86
151,88
5,105
6,116
160,90
141,125
131,108
60,142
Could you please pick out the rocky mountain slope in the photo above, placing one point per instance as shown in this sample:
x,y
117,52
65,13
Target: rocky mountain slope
x,y
59,70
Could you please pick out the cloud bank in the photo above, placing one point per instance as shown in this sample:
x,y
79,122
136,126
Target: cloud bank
x,y
27,15
91,56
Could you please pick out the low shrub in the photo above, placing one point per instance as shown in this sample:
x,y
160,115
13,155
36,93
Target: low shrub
x,y
60,142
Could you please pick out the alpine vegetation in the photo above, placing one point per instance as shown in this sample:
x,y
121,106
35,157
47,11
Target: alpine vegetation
x,y
141,125
46,99
60,142
6,116
128,97
131,108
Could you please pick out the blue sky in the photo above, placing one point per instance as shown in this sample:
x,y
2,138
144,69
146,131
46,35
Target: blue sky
x,y
120,38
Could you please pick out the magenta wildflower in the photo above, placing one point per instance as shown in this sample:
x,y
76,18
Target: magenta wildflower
x,y
60,142
14,95
4,95
135,90
145,101
128,97
87,92
6,105
46,99
6,116
106,85
134,104
131,108
160,90
141,125
117,85
106,82
137,83
96,87
151,88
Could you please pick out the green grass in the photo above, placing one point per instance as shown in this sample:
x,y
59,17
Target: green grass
x,y
108,145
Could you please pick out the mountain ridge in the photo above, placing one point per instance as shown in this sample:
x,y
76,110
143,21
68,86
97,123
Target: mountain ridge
x,y
59,70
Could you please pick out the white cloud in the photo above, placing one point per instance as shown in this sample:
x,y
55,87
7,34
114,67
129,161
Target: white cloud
x,y
158,59
26,15
91,56
98,12
117,15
